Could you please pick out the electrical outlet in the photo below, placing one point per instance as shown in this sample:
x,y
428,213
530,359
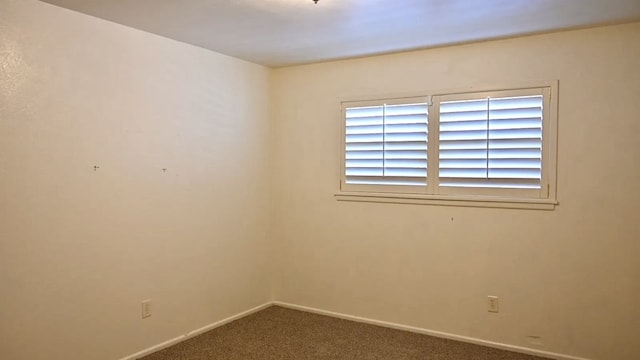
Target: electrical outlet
x,y
146,308
493,304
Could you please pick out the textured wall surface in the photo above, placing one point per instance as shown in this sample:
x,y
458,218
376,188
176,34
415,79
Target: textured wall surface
x,y
569,276
79,249
247,150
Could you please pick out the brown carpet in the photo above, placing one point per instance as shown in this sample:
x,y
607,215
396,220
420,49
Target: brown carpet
x,y
284,334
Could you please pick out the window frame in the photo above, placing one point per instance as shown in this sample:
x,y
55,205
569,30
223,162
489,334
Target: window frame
x,y
432,193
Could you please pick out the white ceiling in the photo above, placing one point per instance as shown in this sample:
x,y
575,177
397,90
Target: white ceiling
x,y
286,32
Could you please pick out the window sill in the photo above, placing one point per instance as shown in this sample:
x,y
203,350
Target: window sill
x,y
465,201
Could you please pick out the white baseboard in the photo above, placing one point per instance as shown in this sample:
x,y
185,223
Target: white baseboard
x,y
413,329
196,332
434,333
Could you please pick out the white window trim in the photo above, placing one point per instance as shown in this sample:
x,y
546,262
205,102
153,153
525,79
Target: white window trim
x,y
390,194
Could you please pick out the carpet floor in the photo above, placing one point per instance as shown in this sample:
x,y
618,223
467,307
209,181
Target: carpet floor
x,y
285,334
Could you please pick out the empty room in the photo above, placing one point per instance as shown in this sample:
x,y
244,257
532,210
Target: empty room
x,y
331,179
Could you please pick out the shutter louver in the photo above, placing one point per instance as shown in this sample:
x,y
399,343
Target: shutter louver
x,y
491,143
386,145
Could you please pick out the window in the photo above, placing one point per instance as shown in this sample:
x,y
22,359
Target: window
x,y
386,145
492,147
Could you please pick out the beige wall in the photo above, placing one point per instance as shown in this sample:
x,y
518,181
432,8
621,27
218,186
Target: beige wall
x,y
80,249
569,275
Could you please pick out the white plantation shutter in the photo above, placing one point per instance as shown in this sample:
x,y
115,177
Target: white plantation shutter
x,y
483,147
386,144
491,142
